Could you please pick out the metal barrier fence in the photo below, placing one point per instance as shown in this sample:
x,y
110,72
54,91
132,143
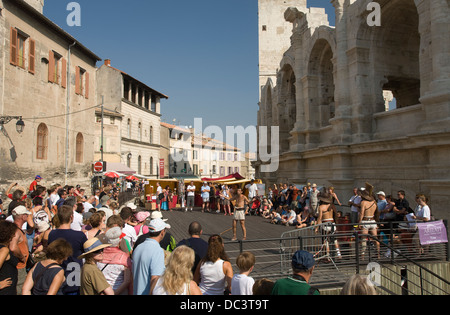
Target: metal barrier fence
x,y
340,250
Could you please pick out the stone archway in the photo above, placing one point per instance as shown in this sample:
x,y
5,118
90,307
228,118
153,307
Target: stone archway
x,y
287,107
321,84
394,52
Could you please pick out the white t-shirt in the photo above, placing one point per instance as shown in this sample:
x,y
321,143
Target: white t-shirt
x,y
130,233
291,216
423,212
252,189
242,285
87,206
77,222
355,200
191,193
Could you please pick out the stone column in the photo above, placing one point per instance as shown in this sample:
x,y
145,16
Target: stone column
x,y
437,100
343,109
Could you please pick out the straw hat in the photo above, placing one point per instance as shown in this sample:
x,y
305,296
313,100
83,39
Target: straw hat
x,y
92,245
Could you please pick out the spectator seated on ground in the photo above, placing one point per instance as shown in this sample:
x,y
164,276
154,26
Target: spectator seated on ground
x,y
304,219
289,218
255,206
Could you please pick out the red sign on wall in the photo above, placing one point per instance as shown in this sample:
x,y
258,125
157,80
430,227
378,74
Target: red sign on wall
x,y
161,168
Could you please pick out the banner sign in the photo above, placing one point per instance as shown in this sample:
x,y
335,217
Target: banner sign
x,y
161,168
432,232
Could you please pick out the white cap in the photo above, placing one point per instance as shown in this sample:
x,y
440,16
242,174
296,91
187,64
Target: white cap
x,y
20,210
132,206
381,193
157,225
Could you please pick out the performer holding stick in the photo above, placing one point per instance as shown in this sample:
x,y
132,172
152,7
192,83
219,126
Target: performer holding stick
x,y
239,213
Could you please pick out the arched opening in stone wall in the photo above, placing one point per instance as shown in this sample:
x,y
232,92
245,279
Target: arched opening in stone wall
x,y
395,48
321,76
268,113
288,111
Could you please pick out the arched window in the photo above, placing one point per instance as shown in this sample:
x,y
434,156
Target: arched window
x,y
42,142
79,148
129,128
151,134
140,132
151,165
139,164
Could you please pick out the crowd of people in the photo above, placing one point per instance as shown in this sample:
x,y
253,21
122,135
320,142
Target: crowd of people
x,y
60,241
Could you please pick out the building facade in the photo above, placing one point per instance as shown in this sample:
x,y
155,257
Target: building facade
x,y
135,109
329,99
48,78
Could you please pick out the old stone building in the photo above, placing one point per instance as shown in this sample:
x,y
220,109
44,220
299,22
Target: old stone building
x,y
47,78
327,95
133,117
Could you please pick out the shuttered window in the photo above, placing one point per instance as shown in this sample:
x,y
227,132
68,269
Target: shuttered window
x,y
32,57
13,47
64,73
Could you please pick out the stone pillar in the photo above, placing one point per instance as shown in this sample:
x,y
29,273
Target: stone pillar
x,y
343,109
437,100
298,136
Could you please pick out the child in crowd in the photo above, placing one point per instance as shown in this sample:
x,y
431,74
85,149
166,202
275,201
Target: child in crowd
x,y
242,283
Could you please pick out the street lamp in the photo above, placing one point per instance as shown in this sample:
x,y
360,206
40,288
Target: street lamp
x,y
20,125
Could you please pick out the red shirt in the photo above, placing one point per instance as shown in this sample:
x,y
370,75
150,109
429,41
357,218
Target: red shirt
x,y
33,185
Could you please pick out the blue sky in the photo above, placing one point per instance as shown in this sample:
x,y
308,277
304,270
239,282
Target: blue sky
x,y
203,54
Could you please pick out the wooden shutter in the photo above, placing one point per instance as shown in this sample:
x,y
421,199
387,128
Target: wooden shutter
x,y
51,67
13,47
32,57
77,80
86,84
64,73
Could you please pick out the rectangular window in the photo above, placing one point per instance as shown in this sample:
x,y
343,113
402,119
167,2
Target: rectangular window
x,y
53,67
21,50
126,90
79,80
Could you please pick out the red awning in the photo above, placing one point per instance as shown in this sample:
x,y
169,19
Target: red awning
x,y
236,176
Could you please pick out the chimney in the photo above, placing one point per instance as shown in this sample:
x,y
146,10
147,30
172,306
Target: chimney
x,y
108,62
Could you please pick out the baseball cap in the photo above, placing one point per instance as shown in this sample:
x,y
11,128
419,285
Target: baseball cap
x,y
381,193
303,260
20,210
38,177
157,225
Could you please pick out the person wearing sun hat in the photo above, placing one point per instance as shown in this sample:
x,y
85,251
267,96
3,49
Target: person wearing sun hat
x,y
303,265
93,282
326,216
369,215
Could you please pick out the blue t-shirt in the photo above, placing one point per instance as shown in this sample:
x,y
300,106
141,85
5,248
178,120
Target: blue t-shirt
x,y
148,261
205,191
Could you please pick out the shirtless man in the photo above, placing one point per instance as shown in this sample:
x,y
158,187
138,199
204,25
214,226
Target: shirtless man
x,y
239,213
